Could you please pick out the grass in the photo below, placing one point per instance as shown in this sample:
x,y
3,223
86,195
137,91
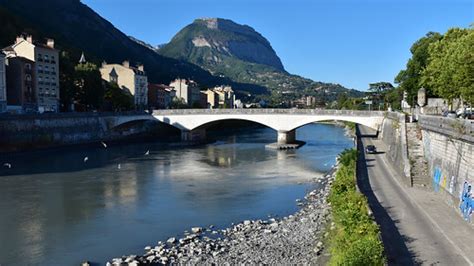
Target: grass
x,y
355,239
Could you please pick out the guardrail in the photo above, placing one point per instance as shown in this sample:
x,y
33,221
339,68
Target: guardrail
x,y
457,128
269,111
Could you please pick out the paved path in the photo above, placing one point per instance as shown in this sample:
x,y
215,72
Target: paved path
x,y
417,226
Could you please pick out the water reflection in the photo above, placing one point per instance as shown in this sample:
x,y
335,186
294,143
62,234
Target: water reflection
x,y
58,210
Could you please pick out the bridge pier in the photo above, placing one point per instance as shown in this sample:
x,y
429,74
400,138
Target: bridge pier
x,y
287,137
193,135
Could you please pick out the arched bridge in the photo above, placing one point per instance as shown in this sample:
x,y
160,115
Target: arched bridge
x,y
192,122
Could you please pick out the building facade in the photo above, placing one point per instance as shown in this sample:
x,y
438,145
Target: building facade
x,y
45,76
22,92
130,79
3,84
212,99
226,96
187,90
220,97
160,96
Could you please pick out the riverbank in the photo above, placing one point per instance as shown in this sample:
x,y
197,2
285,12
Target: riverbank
x,y
294,239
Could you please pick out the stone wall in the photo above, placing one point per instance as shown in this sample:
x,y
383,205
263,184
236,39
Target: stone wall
x,y
393,134
449,150
26,132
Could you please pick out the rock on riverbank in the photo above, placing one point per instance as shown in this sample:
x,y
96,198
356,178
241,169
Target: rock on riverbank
x,y
294,239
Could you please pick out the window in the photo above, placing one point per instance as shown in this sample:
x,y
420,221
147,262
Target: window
x,y
40,57
28,66
28,77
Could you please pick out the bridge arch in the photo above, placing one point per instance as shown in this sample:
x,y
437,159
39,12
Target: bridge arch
x,y
278,123
284,121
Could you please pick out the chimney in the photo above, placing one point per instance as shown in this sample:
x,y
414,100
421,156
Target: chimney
x,y
126,63
19,39
29,38
141,68
50,43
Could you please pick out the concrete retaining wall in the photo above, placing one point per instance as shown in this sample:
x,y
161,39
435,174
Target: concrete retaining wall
x,y
393,134
28,132
449,150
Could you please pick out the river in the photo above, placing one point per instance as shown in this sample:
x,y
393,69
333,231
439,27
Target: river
x,y
58,209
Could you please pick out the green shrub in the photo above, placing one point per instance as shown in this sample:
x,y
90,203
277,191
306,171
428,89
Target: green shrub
x,y
355,240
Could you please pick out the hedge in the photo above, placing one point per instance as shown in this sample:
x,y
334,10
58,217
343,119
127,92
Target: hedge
x,y
355,238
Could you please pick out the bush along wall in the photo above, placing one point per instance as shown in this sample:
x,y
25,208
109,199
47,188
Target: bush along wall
x,y
355,238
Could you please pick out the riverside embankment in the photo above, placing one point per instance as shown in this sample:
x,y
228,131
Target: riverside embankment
x,y
293,239
35,131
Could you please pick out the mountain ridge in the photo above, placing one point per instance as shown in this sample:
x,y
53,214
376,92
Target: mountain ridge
x,y
77,28
228,49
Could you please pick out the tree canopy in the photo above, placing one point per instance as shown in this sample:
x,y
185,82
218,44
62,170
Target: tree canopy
x,y
409,79
442,64
450,69
89,87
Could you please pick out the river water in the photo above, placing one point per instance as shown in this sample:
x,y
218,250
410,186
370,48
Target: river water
x,y
56,209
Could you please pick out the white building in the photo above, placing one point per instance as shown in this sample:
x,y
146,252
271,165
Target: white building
x,y
46,80
3,84
128,78
188,90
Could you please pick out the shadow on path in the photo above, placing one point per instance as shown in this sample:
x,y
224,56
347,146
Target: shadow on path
x,y
396,251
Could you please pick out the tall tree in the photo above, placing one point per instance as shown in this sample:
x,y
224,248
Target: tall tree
x,y
449,71
409,79
383,94
90,90
66,81
117,99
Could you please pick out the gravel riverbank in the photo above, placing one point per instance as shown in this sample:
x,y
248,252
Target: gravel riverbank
x,y
295,239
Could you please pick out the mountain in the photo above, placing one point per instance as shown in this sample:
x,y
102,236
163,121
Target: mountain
x,y
228,49
76,28
223,52
147,45
214,41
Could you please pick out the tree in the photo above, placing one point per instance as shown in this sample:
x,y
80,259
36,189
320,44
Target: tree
x,y
89,87
378,91
66,81
409,79
393,98
449,71
117,99
178,103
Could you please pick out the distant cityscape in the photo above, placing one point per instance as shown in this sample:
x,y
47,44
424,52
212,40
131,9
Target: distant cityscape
x,y
30,83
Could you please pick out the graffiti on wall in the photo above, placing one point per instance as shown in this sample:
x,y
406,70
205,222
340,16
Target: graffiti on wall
x,y
467,201
451,185
436,178
440,179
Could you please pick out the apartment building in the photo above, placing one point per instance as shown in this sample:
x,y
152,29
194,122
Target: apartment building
x,y
160,96
226,96
212,99
44,61
128,78
188,90
22,95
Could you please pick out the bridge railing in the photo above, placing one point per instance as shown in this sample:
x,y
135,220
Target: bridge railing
x,y
256,111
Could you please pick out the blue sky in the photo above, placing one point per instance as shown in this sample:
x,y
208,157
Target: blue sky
x,y
342,41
